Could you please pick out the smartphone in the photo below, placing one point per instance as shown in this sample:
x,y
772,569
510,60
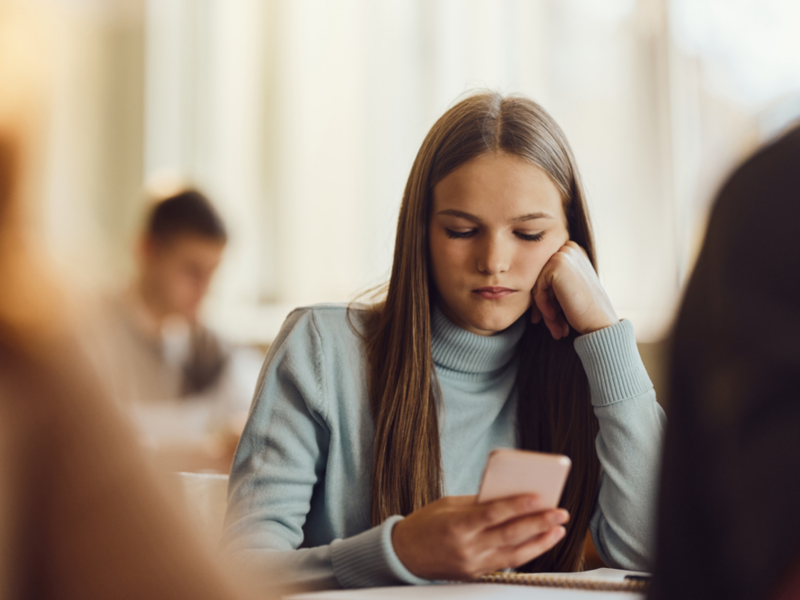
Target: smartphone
x,y
511,472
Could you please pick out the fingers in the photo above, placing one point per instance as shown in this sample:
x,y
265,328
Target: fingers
x,y
465,499
558,326
536,315
456,538
521,530
543,298
568,294
546,306
491,514
512,557
468,500
576,247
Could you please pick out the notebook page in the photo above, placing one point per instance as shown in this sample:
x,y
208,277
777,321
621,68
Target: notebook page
x,y
466,591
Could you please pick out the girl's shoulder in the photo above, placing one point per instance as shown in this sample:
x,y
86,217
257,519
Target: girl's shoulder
x,y
330,326
320,354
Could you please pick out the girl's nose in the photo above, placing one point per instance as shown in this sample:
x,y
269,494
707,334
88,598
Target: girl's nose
x,y
493,258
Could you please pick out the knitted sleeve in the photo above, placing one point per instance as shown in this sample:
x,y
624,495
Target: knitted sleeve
x,y
280,461
628,446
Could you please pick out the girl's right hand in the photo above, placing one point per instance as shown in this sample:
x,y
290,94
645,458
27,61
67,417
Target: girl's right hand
x,y
457,538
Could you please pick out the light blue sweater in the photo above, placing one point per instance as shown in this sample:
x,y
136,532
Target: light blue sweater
x,y
299,495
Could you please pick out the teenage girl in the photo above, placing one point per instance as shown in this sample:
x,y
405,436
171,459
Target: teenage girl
x,y
371,425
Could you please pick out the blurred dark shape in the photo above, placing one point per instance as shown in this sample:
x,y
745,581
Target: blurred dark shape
x,y
790,588
82,513
729,514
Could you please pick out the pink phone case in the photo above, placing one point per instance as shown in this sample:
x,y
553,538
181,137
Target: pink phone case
x,y
513,472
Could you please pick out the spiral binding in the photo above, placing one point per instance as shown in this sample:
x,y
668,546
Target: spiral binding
x,y
564,582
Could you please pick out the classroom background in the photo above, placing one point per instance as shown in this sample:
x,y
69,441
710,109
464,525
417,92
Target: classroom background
x,y
300,119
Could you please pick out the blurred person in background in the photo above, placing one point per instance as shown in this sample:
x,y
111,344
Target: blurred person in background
x,y
178,253
82,515
729,508
187,390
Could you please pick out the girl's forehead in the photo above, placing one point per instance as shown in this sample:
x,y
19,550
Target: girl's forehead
x,y
498,182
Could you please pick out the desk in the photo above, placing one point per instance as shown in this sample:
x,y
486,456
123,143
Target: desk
x,y
466,591
484,591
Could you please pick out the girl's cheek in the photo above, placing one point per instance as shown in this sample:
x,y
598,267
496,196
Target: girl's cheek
x,y
549,252
536,263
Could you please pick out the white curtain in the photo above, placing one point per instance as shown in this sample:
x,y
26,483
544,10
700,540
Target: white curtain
x,y
301,118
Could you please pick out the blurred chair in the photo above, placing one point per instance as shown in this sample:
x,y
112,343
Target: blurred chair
x,y
206,498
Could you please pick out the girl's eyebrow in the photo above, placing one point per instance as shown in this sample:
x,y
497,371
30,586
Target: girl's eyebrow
x,y
461,214
470,217
532,216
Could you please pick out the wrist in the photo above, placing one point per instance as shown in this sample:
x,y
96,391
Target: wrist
x,y
367,559
612,364
401,547
608,321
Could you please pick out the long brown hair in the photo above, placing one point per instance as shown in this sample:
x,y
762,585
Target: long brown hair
x,y
555,412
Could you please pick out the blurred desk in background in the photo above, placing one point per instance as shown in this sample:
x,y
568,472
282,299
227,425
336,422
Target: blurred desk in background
x,y
183,435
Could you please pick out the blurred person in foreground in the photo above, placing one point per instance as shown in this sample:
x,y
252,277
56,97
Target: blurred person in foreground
x,y
81,513
729,516
185,387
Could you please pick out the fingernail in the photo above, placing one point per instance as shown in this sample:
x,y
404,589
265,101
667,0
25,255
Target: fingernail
x,y
560,533
558,517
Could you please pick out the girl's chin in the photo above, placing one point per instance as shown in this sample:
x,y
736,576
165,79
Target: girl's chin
x,y
484,320
492,324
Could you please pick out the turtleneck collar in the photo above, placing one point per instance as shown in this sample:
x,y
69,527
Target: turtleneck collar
x,y
468,354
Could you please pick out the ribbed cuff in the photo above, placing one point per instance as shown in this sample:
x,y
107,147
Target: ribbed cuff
x,y
612,364
369,560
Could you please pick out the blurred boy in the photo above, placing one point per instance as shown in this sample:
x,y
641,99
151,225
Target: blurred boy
x,y
177,254
183,386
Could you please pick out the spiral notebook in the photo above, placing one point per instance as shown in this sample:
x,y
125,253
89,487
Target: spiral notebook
x,y
605,584
607,580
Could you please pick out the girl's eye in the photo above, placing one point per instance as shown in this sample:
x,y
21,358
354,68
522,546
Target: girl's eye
x,y
529,237
454,235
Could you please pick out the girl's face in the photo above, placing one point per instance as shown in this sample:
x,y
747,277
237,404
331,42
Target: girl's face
x,y
495,222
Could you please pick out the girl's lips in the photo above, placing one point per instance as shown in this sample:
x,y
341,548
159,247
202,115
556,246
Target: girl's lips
x,y
493,292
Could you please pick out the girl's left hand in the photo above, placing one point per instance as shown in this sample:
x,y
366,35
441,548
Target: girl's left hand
x,y
568,292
